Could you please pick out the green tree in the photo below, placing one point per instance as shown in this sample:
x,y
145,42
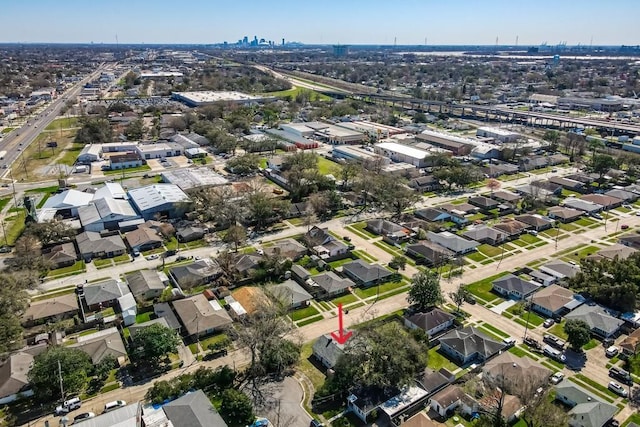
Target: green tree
x,y
425,290
94,131
73,364
50,232
398,262
459,296
578,333
102,369
154,343
236,408
244,165
236,235
601,164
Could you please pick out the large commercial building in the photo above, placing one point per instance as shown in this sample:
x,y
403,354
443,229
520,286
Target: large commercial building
x,y
371,129
404,153
160,199
207,97
356,154
498,134
193,177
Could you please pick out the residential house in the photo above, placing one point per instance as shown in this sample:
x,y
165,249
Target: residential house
x,y
564,214
510,406
328,284
484,203
537,192
101,344
433,381
505,196
514,287
145,285
286,248
548,187
460,209
300,274
410,399
324,244
601,323
607,202
327,350
62,255
14,380
432,215
630,240
362,402
432,322
365,274
103,294
494,170
425,183
484,234
511,227
388,229
446,401
554,301
542,278
533,162
200,317
582,205
612,252
570,184
560,269
419,420
193,409
51,309
469,344
512,371
453,242
143,239
163,310
587,409
429,253
624,195
189,234
535,222
95,245
252,298
195,274
630,345
290,294
246,264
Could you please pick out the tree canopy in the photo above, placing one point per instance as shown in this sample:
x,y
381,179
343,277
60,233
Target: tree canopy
x,y
75,367
94,131
154,342
425,290
578,333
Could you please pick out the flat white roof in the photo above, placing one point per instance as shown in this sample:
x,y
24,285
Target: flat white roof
x,y
497,131
405,150
450,137
155,195
397,403
216,96
193,177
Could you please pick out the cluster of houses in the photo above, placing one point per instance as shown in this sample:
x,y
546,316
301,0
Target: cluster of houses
x,y
440,391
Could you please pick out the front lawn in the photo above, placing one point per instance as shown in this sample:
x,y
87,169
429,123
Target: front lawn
x,y
488,250
344,300
476,256
75,268
143,317
303,313
127,170
593,343
102,262
530,238
213,340
582,253
483,287
373,290
360,226
558,330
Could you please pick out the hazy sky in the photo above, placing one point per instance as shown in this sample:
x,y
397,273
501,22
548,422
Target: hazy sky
x,y
608,22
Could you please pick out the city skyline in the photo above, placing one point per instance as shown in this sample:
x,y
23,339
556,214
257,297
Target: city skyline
x,y
413,22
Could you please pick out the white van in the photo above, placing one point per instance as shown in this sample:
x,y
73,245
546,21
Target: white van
x,y
68,406
114,405
554,353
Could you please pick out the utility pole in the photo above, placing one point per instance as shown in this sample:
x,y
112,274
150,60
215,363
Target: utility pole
x,y
13,185
60,376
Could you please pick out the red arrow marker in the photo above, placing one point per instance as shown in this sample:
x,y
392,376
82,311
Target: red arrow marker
x,y
341,337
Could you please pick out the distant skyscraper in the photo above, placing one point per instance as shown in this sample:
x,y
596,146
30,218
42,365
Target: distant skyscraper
x,y
340,50
283,42
245,40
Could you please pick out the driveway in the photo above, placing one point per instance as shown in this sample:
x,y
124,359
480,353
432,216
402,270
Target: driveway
x,y
498,309
283,404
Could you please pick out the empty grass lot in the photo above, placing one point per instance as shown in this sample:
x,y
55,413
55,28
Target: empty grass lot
x,y
360,226
326,167
436,361
303,313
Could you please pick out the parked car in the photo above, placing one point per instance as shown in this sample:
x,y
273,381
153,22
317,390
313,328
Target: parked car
x,y
531,342
597,216
215,354
182,258
84,416
611,351
509,342
470,299
621,375
554,341
548,323
624,226
114,405
152,257
557,377
554,354
347,238
617,389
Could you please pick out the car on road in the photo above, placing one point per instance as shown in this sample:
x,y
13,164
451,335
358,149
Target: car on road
x,y
621,375
114,405
532,342
509,342
152,257
347,238
554,341
182,258
548,323
557,377
68,406
596,216
554,354
84,416
611,351
624,226
617,389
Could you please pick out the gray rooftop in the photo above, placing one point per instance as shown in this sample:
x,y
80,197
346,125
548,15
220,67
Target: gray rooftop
x,y
289,292
194,409
596,317
156,195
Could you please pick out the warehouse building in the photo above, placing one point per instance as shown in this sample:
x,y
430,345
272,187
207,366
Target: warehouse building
x,y
404,153
208,97
166,200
